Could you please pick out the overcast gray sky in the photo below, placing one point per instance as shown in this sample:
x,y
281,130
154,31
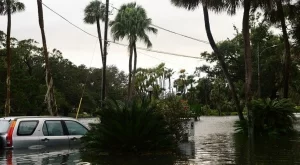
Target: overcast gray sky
x,y
79,47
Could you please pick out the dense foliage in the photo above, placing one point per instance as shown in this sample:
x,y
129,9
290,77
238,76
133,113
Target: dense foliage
x,y
28,81
132,128
175,112
271,117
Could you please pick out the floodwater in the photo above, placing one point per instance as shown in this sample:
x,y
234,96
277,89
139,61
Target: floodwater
x,y
214,143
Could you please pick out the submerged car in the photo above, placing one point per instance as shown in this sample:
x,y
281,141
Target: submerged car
x,y
40,132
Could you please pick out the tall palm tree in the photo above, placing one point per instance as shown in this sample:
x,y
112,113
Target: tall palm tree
x,y
95,12
248,63
275,10
8,7
133,23
216,5
49,97
105,52
169,74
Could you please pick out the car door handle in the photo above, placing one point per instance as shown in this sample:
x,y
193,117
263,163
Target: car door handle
x,y
74,139
45,140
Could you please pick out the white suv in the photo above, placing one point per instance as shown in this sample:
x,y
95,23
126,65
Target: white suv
x,y
40,132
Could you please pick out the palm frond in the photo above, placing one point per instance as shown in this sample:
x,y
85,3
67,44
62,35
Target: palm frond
x,y
146,40
15,6
94,11
132,22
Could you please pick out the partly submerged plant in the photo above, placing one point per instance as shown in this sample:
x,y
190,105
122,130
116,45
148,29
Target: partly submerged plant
x,y
175,112
133,128
273,116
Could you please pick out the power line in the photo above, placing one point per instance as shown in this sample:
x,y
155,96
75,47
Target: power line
x,y
170,31
140,48
156,58
83,88
68,20
161,52
206,42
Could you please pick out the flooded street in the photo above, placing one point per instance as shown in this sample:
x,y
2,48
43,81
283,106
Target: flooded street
x,y
214,143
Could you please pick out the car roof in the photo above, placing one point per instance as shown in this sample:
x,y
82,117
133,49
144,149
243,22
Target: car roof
x,y
35,117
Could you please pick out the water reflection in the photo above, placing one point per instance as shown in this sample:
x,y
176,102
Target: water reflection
x,y
214,143
39,158
136,160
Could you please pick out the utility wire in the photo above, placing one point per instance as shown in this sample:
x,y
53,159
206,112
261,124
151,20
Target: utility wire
x,y
170,31
140,48
87,76
68,20
156,58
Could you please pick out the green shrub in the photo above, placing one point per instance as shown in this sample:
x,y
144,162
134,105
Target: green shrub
x,y
273,116
297,109
233,113
196,109
205,110
270,117
241,127
175,111
133,128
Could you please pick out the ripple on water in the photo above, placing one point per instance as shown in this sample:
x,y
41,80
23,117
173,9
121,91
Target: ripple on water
x,y
214,143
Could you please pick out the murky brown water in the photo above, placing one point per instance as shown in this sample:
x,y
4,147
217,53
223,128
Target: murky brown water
x,y
214,143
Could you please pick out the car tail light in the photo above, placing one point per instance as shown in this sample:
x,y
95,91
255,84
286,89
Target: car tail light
x,y
9,142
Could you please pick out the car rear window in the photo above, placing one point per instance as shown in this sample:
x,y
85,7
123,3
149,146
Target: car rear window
x,y
4,124
26,128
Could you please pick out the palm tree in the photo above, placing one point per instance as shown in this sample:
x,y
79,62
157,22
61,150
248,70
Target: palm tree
x,y
8,7
169,74
133,23
248,63
275,10
94,12
49,97
216,5
105,52
190,80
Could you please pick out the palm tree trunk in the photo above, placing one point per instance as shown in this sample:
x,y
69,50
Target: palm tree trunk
x,y
222,63
49,97
134,70
287,60
8,60
105,54
169,83
102,56
100,38
248,63
130,70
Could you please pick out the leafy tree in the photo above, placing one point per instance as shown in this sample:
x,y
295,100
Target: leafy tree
x,y
275,10
28,83
8,7
265,45
217,6
154,77
133,23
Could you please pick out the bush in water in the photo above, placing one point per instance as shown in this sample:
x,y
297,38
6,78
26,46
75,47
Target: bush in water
x,y
175,111
133,128
272,117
